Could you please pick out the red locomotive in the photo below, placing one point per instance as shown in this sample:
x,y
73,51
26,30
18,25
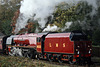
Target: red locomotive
x,y
73,46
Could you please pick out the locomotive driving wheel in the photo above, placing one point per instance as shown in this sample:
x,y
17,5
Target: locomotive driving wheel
x,y
71,60
38,56
12,52
59,59
29,54
50,58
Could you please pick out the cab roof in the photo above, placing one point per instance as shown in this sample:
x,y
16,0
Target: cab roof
x,y
56,35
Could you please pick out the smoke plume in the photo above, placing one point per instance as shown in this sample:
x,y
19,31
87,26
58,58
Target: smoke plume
x,y
51,28
41,9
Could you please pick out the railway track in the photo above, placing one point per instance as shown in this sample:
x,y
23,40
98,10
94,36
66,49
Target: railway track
x,y
65,64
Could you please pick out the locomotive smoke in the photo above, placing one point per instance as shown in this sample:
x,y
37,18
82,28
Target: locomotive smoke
x,y
41,9
67,25
51,28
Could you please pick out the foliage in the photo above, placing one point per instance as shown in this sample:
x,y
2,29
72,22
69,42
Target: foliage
x,y
6,28
96,37
6,13
76,13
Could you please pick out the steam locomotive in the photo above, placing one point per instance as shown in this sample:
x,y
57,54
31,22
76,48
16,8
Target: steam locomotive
x,y
72,46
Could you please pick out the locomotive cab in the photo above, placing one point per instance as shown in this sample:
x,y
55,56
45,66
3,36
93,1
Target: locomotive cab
x,y
40,42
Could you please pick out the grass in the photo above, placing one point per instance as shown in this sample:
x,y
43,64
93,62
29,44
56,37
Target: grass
x,y
12,61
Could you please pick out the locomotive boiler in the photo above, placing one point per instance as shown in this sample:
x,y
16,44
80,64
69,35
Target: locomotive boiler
x,y
72,46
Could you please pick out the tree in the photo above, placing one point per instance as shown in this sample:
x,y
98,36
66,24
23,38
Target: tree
x,y
96,37
78,14
6,13
6,28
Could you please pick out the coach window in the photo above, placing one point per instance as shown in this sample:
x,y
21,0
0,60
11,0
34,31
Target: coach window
x,y
38,39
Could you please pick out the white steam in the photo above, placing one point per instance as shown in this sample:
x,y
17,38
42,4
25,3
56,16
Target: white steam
x,y
40,10
94,4
21,23
67,25
51,28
